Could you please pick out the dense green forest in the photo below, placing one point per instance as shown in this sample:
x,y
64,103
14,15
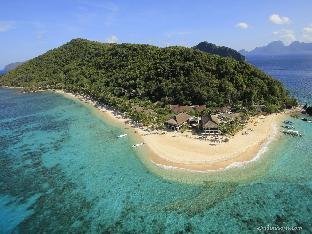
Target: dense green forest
x,y
124,75
219,50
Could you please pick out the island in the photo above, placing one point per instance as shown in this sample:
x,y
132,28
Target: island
x,y
279,48
192,109
11,66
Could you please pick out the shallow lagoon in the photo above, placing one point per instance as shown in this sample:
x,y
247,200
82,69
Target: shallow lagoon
x,y
63,169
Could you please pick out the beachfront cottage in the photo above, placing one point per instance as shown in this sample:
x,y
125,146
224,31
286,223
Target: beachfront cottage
x,y
210,124
180,109
177,121
187,109
200,108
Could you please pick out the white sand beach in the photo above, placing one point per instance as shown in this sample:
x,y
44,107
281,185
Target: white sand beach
x,y
185,151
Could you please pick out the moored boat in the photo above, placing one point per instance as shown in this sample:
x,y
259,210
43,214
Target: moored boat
x,y
122,135
288,127
292,133
137,145
288,122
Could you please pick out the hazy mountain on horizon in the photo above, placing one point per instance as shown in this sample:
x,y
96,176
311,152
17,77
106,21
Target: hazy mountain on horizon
x,y
11,66
279,48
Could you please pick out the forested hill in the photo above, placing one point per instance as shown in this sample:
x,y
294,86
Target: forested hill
x,y
172,75
219,50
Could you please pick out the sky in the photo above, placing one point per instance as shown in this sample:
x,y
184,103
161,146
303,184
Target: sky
x,y
30,28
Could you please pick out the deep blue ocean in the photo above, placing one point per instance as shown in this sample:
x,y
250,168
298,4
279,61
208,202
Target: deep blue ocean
x,y
294,71
63,170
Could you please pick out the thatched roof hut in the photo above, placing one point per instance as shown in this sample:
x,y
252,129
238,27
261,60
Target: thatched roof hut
x,y
182,118
200,108
174,108
180,109
210,125
209,122
215,119
178,120
172,122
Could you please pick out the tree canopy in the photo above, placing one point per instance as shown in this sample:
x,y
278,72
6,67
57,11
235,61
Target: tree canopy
x,y
219,50
171,75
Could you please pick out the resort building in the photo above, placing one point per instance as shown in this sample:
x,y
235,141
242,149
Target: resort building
x,y
180,109
200,108
177,121
210,124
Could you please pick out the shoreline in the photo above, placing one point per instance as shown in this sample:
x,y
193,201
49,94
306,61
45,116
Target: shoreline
x,y
224,156
182,151
203,168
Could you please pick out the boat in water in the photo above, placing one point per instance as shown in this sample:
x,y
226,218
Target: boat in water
x,y
288,127
306,120
292,133
122,135
137,145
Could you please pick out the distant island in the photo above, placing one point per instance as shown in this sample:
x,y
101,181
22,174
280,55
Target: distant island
x,y
219,50
11,66
279,48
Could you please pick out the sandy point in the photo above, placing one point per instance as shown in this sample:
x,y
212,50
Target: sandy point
x,y
182,151
177,150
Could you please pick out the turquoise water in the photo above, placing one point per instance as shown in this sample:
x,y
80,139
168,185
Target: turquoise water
x,y
63,170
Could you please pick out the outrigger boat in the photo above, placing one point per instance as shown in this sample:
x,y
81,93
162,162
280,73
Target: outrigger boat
x,y
292,133
306,120
122,135
137,145
288,122
288,127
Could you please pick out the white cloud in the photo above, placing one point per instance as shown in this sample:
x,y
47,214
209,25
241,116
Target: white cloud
x,y
242,25
6,25
286,35
278,19
112,39
307,33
